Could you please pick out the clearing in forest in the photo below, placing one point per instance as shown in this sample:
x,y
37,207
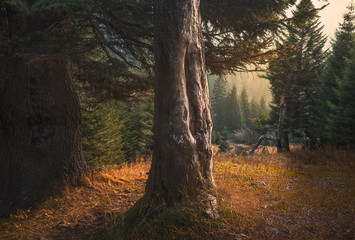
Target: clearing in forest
x,y
297,195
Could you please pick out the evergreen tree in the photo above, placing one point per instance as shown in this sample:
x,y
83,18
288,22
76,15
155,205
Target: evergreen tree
x,y
323,126
244,108
344,122
103,141
218,103
233,120
138,129
40,110
262,106
236,33
294,74
254,108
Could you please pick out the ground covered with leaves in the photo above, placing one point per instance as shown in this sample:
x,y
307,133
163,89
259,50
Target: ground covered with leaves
x,y
297,195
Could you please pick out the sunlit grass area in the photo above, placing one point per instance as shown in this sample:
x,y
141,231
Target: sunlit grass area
x,y
297,195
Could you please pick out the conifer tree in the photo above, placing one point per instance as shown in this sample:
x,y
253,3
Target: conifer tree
x,y
233,120
344,121
254,108
218,103
294,74
262,105
137,129
103,142
40,110
244,108
327,100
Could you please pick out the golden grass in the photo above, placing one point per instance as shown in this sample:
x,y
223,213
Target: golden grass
x,y
79,211
297,195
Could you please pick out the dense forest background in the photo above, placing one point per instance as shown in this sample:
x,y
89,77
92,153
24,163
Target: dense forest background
x,y
93,93
115,132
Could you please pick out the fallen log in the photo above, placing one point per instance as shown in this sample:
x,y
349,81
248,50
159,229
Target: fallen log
x,y
260,140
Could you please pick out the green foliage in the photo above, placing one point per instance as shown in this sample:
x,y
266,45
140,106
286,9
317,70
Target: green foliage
x,y
102,135
238,32
109,42
324,126
218,102
344,119
138,129
117,132
19,5
244,108
294,72
221,138
233,118
261,123
71,5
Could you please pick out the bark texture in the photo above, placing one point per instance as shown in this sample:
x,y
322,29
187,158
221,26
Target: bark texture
x,y
283,144
182,158
41,121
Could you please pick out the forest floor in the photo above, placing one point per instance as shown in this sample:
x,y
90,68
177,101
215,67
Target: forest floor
x,y
297,195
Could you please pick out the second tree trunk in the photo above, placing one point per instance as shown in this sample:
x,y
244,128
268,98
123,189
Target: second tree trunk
x,y
41,120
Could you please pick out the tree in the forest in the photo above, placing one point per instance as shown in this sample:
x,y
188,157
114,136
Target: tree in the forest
x,y
116,132
41,131
233,119
345,109
182,157
254,108
262,105
218,103
294,75
40,110
137,129
244,108
103,142
78,39
327,100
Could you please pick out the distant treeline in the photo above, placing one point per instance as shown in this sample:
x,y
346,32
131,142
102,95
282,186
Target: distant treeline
x,y
231,112
115,132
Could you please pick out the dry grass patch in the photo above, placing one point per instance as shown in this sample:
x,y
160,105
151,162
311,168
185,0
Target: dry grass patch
x,y
79,211
297,195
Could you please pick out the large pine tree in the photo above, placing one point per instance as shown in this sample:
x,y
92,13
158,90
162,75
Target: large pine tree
x,y
294,74
46,45
324,125
345,109
40,110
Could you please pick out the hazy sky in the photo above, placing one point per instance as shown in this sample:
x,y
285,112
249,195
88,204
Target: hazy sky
x,y
332,15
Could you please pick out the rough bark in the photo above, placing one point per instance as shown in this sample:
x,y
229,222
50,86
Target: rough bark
x,y
182,158
282,135
41,121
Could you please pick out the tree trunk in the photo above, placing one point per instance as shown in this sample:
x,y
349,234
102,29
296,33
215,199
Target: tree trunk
x,y
41,123
182,158
282,142
282,135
